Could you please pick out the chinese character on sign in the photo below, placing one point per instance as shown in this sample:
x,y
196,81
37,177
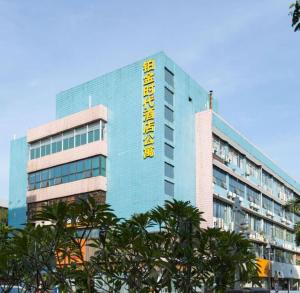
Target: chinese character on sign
x,y
149,151
149,65
149,78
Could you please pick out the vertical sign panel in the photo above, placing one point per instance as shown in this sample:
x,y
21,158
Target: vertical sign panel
x,y
148,108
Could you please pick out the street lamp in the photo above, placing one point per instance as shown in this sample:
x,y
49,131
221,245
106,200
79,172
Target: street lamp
x,y
269,249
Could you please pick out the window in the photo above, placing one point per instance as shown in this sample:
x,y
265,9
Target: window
x,y
93,132
169,77
252,170
289,236
219,177
254,223
169,96
266,180
45,147
169,170
66,140
86,168
278,209
268,228
169,151
222,211
267,203
169,188
234,157
219,147
279,232
169,133
236,186
252,195
169,114
56,145
80,136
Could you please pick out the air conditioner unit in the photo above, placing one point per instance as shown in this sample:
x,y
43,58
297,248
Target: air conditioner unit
x,y
227,159
229,194
283,220
282,196
247,173
270,214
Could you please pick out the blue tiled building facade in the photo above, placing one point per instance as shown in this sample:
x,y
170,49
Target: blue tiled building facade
x,y
106,117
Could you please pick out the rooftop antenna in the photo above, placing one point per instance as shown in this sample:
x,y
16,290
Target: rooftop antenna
x,y
210,99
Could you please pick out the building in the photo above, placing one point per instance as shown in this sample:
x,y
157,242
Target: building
x,y
3,213
146,133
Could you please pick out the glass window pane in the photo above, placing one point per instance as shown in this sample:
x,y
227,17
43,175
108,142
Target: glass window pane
x,y
95,162
79,166
169,170
37,152
48,148
90,136
169,114
95,172
83,138
96,134
71,142
57,171
169,77
65,169
54,149
31,178
87,164
169,96
77,140
59,146
72,177
169,133
43,151
169,151
72,168
169,188
66,144
32,152
103,166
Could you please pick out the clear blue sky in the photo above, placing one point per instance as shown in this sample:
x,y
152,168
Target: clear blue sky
x,y
246,51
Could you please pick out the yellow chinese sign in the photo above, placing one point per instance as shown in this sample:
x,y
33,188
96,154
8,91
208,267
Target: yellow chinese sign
x,y
148,108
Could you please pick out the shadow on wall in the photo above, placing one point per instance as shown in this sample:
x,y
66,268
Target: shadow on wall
x,y
17,217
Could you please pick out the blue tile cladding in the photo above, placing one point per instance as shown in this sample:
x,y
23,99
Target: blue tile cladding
x,y
17,182
226,129
135,184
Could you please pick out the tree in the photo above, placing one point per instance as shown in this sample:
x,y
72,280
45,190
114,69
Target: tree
x,y
295,12
164,248
294,206
224,252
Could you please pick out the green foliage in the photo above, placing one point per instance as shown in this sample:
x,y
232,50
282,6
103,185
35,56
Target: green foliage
x,y
295,12
84,247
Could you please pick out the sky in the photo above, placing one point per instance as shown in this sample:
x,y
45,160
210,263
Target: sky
x,y
245,51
